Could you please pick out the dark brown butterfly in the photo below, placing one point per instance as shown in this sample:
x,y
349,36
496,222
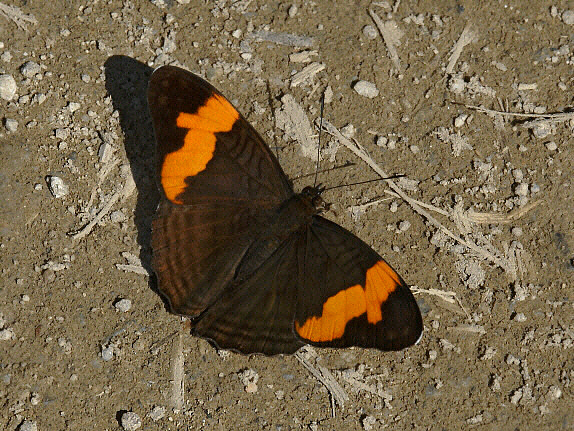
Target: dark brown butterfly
x,y
251,262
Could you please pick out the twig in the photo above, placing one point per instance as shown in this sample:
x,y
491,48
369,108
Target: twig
x,y
125,192
467,36
178,384
391,36
323,375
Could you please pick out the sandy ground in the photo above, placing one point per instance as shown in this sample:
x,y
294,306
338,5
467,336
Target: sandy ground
x,y
76,150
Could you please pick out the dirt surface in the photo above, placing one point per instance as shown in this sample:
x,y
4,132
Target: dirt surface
x,y
497,296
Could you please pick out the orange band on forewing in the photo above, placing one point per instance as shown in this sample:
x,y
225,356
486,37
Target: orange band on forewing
x,y
216,115
352,302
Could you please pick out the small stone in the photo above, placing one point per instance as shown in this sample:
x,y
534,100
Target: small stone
x,y
369,422
11,124
555,392
28,426
30,69
293,9
237,33
107,353
123,305
35,399
516,231
568,17
6,57
404,225
157,413
7,87
73,106
551,146
366,89
521,189
49,275
541,130
7,334
519,317
348,131
131,421
370,32
86,78
117,216
57,187
460,120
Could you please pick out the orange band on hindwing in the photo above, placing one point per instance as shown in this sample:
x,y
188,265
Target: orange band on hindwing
x,y
350,303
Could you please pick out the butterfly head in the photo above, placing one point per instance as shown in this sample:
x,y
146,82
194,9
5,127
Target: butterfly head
x,y
314,196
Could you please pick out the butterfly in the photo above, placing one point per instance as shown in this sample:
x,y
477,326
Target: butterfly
x,y
253,264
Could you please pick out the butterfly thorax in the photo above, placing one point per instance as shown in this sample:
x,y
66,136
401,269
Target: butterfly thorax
x,y
292,217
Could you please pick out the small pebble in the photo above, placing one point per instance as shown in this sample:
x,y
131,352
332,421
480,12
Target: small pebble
x,y
366,89
370,32
7,334
460,120
551,146
568,17
404,225
7,87
157,413
11,124
131,421
516,231
123,305
28,426
30,69
519,317
57,187
107,353
521,189
293,9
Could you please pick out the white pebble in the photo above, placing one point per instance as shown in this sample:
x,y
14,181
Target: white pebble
x,y
30,69
460,120
551,146
157,413
366,89
404,225
123,305
74,106
57,187
107,353
131,421
293,9
28,426
520,317
521,189
11,124
7,334
7,87
568,17
516,231
370,32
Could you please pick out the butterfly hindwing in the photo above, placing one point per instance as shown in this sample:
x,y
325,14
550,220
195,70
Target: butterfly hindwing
x,y
349,296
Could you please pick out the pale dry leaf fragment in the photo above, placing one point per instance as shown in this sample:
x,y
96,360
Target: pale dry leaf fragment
x,y
457,141
15,14
286,39
307,74
292,119
303,56
391,34
468,35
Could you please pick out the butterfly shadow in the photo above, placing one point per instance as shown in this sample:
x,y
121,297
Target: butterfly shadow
x,y
126,82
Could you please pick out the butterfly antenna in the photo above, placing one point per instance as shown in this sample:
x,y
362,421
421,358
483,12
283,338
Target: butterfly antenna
x,y
319,141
